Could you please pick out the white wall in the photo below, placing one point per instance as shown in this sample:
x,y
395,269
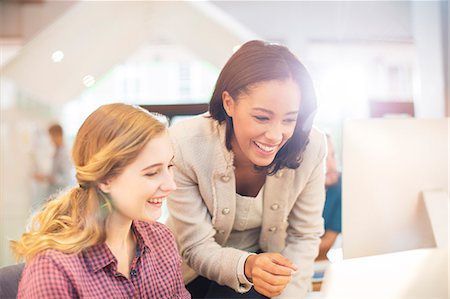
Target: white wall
x,y
15,144
427,28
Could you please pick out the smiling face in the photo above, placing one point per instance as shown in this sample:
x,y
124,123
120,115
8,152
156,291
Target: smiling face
x,y
138,192
264,118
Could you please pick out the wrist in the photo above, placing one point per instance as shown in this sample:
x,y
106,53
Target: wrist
x,y
248,266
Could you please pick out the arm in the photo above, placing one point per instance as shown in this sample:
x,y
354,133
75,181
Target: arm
x,y
192,225
326,242
304,230
332,217
43,279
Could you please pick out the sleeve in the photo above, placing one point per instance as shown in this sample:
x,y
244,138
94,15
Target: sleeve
x,y
333,208
181,291
192,225
241,270
42,278
305,227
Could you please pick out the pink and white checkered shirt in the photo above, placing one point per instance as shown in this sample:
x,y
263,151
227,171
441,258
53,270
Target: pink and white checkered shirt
x,y
155,270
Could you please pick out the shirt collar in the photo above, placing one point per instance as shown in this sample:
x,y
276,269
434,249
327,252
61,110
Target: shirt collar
x,y
139,232
100,256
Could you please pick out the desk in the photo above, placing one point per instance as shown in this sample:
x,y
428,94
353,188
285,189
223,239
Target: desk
x,y
420,273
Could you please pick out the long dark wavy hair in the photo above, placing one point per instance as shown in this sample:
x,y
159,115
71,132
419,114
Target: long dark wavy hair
x,y
259,61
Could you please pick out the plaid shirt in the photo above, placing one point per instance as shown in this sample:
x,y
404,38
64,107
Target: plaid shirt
x,y
155,270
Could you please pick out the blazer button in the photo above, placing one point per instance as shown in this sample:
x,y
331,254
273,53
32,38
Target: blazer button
x,y
273,229
225,178
275,207
226,211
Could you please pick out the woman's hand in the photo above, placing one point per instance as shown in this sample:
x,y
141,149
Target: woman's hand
x,y
269,272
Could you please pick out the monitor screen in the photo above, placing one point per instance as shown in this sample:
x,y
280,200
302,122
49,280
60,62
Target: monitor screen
x,y
387,165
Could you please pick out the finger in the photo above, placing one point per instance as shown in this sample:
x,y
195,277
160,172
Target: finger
x,y
283,261
276,269
276,280
268,289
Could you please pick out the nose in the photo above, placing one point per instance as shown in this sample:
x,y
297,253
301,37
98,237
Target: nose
x,y
274,133
168,183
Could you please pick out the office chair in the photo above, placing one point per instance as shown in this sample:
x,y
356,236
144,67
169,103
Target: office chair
x,y
9,280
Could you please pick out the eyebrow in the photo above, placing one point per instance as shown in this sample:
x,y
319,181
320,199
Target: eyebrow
x,y
271,112
156,164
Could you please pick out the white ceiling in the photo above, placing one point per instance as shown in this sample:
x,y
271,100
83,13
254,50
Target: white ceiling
x,y
95,36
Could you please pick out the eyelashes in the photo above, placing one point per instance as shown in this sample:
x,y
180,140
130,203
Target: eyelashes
x,y
261,118
157,172
265,119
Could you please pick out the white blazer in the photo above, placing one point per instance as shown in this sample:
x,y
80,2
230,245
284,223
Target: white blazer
x,y
203,208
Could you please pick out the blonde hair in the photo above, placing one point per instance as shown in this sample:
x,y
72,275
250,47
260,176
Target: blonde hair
x,y
109,139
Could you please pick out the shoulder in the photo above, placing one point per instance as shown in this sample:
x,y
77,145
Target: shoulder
x,y
317,141
198,141
47,275
160,239
52,263
316,149
154,231
200,126
55,257
314,154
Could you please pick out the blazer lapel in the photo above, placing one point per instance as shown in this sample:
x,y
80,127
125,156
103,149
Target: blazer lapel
x,y
223,189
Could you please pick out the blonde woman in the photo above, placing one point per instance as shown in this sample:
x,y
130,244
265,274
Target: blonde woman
x,y
100,240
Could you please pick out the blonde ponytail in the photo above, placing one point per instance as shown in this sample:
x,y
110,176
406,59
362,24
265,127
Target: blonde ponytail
x,y
109,139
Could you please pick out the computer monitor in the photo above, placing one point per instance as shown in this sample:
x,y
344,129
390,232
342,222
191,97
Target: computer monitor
x,y
387,165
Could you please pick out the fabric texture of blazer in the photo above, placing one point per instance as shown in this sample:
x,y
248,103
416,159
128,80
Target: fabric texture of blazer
x,y
203,208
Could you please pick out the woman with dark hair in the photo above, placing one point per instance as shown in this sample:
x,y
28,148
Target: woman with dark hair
x,y
250,177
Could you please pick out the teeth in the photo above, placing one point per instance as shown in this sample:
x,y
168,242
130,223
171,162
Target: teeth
x,y
265,148
156,200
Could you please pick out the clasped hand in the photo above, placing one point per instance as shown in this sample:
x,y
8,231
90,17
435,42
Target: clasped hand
x,y
269,272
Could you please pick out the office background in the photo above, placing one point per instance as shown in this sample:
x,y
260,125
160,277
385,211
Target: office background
x,y
62,59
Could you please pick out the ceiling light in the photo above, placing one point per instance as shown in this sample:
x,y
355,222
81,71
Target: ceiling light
x,y
57,56
88,80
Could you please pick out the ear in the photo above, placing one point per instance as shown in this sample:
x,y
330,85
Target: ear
x,y
228,103
105,186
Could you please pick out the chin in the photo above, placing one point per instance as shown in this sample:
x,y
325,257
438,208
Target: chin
x,y
262,163
151,218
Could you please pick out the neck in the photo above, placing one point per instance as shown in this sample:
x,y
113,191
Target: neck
x,y
118,232
240,161
120,240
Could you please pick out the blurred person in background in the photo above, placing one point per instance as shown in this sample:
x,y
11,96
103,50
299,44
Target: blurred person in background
x,y
62,172
101,239
333,202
